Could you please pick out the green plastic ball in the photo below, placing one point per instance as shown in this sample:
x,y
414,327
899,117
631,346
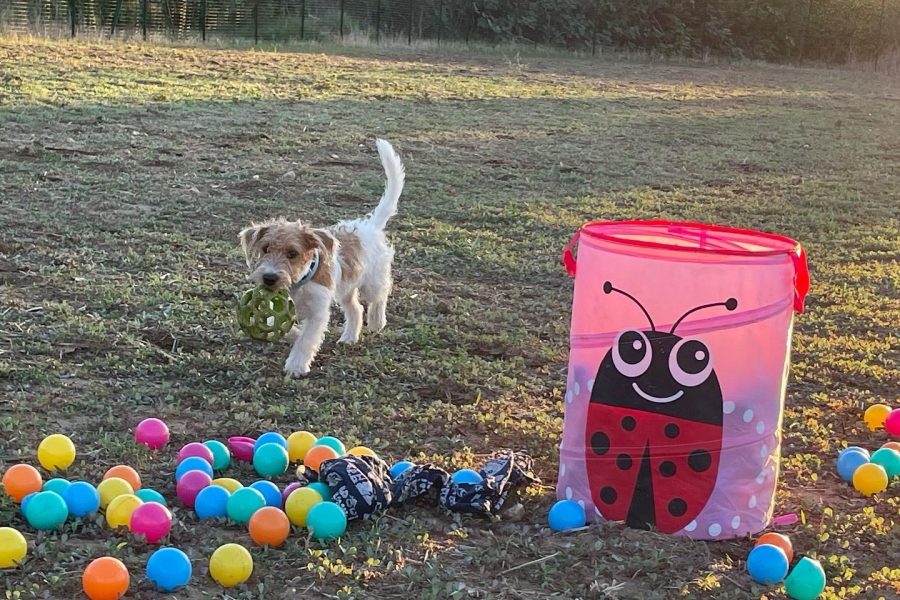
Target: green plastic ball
x,y
56,485
326,521
46,511
270,460
333,443
806,581
889,459
322,488
243,503
221,454
266,315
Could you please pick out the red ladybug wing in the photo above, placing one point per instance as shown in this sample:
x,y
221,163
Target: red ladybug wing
x,y
611,433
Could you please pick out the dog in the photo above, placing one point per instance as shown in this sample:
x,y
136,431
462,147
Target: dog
x,y
348,263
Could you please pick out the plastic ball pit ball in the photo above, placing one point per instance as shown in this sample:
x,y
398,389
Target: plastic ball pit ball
x,y
269,526
21,480
148,495
566,515
46,511
875,416
23,506
317,455
232,485
777,539
361,451
326,521
270,437
299,504
892,446
190,485
266,315
333,443
221,454
270,492
127,473
466,476
889,460
242,447
270,459
82,499
892,423
56,452
862,451
322,488
56,485
299,443
119,511
212,503
806,581
767,564
849,462
105,579
230,565
289,490
13,548
152,433
870,479
169,569
151,520
112,488
195,449
243,504
399,467
193,463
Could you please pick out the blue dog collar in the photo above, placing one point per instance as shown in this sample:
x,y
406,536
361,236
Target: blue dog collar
x,y
310,273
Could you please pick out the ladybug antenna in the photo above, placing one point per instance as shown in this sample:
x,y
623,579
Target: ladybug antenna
x,y
608,288
729,304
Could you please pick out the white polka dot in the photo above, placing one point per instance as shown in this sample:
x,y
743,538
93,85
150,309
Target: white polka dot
x,y
728,407
714,529
569,397
691,526
562,469
761,477
748,415
752,503
763,451
735,522
760,427
590,384
581,503
577,388
568,493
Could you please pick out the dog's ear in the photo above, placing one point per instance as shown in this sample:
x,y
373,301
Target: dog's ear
x,y
326,241
249,238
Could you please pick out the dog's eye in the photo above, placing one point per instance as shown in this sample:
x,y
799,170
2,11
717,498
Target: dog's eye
x,y
265,249
292,254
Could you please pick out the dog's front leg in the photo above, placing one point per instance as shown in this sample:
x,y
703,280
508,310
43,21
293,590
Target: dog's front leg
x,y
313,304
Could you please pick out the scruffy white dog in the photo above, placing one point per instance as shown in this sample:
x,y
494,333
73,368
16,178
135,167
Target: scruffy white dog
x,y
348,263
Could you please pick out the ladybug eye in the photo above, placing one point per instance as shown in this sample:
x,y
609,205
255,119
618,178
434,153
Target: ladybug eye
x,y
631,353
690,362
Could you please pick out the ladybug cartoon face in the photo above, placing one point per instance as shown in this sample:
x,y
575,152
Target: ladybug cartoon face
x,y
654,428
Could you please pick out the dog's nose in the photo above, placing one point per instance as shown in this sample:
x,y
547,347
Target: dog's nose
x,y
270,279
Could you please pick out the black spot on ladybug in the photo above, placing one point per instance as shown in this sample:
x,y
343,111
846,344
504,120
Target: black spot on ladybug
x,y
677,507
600,443
667,469
608,495
628,423
623,461
699,460
672,430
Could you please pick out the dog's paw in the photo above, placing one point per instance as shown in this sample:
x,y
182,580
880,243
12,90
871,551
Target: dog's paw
x,y
348,339
296,370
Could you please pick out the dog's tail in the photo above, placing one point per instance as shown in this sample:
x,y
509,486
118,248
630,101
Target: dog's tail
x,y
393,169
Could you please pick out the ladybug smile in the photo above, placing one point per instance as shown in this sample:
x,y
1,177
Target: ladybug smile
x,y
656,399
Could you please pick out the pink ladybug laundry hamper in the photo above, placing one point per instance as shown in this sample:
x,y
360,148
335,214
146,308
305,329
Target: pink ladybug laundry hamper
x,y
680,350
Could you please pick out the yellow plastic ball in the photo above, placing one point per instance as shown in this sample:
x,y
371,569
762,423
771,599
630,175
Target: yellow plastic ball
x,y
56,452
875,416
232,485
230,565
299,503
112,488
298,443
118,513
13,547
362,451
870,479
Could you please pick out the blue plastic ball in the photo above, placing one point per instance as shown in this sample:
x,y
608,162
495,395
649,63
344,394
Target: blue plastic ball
x,y
212,503
399,467
270,437
56,485
150,495
46,511
565,515
169,569
25,502
270,460
193,463
849,462
322,488
333,443
767,564
82,499
854,449
221,454
269,491
467,476
326,521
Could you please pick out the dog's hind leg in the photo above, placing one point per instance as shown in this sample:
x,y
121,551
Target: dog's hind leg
x,y
353,317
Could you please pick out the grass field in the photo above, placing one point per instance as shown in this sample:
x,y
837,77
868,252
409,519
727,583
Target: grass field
x,y
127,170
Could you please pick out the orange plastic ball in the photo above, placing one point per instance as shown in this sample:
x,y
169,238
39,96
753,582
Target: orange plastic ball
x,y
317,455
892,446
126,473
21,480
105,578
779,540
269,526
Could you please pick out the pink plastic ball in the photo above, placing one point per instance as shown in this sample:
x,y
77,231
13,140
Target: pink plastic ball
x,y
290,488
196,449
190,485
152,433
892,423
151,520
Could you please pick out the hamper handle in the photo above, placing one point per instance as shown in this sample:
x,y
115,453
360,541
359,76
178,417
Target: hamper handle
x,y
568,257
801,278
